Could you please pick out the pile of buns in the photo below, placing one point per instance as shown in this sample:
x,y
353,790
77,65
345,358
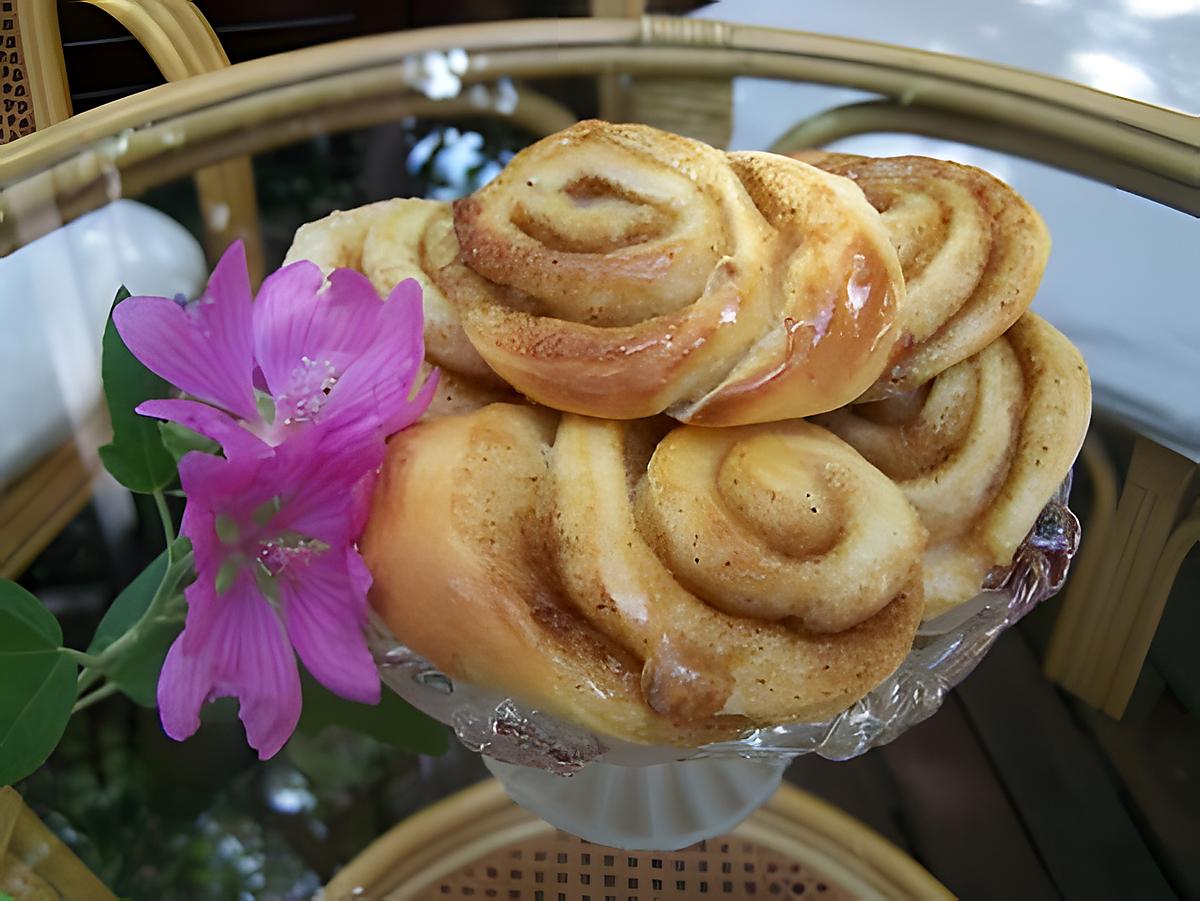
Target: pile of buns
x,y
715,431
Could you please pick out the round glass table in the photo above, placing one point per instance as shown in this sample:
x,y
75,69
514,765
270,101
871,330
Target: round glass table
x,y
147,191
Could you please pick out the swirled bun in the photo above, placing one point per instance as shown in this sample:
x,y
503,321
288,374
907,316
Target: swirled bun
x,y
979,450
883,420
663,585
388,242
620,271
972,250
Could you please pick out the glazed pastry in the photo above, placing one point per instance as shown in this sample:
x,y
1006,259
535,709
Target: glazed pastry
x,y
979,450
455,394
661,584
620,271
971,248
388,242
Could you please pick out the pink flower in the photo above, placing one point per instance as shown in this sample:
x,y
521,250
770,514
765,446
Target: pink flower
x,y
300,388
276,568
324,352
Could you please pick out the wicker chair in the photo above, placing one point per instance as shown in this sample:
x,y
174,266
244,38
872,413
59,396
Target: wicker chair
x,y
39,504
34,863
479,844
1141,526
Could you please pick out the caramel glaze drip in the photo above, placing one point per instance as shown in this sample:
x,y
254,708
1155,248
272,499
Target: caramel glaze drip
x,y
972,251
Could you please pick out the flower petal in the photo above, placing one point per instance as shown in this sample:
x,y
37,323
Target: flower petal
x,y
208,556
313,475
360,575
183,686
381,379
317,471
202,597
324,607
416,407
361,496
294,319
205,348
262,674
237,442
214,485
244,654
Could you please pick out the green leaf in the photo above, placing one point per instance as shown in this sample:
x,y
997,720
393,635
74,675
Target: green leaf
x,y
25,616
37,683
136,670
392,721
136,457
179,440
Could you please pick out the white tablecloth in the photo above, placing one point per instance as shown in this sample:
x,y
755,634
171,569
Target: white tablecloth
x,y
55,294
1122,280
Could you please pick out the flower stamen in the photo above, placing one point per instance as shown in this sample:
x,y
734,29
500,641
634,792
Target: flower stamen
x,y
277,556
308,388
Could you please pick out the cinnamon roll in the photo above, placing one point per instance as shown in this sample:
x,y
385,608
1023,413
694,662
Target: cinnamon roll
x,y
620,271
979,450
455,395
661,584
388,242
972,251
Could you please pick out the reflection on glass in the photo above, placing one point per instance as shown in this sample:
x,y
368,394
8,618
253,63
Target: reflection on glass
x,y
455,162
1161,9
1116,76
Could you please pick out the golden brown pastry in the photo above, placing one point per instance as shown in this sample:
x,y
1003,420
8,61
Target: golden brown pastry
x,y
971,248
664,587
388,242
455,394
979,450
620,271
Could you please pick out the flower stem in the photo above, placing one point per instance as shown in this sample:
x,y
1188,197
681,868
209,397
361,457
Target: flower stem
x,y
94,665
87,676
166,590
89,663
109,688
164,514
80,657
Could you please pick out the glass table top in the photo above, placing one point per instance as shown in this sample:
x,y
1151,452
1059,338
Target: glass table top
x,y
436,113
146,192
